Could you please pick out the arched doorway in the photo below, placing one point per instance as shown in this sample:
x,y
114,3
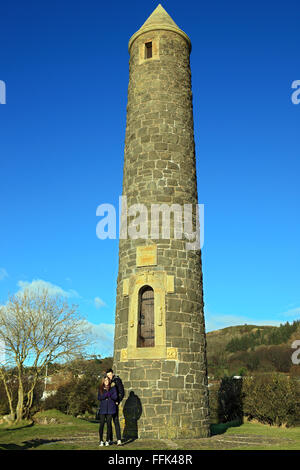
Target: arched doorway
x,y
145,336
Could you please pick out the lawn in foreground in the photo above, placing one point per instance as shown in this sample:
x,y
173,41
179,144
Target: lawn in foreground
x,y
68,433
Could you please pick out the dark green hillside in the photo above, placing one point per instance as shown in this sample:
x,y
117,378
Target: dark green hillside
x,y
251,348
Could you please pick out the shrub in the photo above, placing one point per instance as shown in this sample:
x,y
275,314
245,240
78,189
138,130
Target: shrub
x,y
230,406
76,397
59,400
213,404
76,386
225,401
272,399
82,399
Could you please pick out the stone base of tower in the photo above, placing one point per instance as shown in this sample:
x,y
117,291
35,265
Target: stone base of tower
x,y
162,403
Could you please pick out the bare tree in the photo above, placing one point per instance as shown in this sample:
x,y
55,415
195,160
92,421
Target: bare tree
x,y
36,329
9,394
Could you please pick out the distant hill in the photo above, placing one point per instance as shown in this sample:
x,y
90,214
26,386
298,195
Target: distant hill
x,y
218,339
252,348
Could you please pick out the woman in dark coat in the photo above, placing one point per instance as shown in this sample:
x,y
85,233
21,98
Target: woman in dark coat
x,y
108,396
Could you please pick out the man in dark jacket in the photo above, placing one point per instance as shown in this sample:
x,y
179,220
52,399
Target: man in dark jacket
x,y
120,390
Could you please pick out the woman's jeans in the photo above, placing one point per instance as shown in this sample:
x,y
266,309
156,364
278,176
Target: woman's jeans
x,y
108,419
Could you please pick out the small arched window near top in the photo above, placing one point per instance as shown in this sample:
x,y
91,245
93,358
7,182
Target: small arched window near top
x,y
145,334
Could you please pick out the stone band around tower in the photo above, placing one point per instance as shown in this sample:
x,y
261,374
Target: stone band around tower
x,y
156,27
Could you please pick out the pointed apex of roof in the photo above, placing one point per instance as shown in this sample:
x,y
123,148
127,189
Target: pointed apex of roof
x,y
159,19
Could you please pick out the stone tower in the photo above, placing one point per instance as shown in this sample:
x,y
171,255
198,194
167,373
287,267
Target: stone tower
x,y
160,343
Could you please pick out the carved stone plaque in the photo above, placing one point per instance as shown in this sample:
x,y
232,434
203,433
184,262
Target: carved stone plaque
x,y
146,255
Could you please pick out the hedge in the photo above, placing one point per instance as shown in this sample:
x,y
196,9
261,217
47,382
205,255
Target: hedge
x,y
270,399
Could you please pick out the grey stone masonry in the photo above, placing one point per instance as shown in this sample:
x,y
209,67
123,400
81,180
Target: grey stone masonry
x,y
160,167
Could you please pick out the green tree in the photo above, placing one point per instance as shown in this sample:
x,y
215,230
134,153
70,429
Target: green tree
x,y
272,399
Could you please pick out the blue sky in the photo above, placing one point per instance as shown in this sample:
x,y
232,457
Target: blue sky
x,y
62,130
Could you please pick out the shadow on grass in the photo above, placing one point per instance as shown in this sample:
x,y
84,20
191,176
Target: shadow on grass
x,y
89,420
221,428
128,441
17,428
32,444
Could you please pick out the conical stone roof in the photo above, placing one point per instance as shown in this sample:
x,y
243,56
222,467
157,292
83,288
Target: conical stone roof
x,y
159,19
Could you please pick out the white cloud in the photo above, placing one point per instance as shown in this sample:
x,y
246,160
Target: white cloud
x,y
73,293
38,284
293,312
98,302
103,335
217,322
3,274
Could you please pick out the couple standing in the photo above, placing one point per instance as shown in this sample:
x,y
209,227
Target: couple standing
x,y
111,393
